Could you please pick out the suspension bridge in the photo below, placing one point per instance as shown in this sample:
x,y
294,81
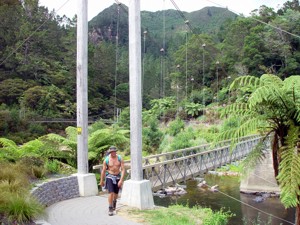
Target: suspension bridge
x,y
166,169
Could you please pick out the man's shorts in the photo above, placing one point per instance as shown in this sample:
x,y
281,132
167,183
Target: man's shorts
x,y
111,183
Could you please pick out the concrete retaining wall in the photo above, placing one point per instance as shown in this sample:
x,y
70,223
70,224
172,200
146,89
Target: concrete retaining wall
x,y
53,191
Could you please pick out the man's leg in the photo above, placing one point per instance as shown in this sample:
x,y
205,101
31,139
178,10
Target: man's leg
x,y
110,203
115,197
110,188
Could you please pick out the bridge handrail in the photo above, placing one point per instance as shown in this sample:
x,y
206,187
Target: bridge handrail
x,y
194,155
146,160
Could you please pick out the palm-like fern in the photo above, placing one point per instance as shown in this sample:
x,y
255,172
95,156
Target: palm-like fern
x,y
100,140
273,107
9,150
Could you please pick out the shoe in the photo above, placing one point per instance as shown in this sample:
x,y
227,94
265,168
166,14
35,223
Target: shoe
x,y
114,204
110,211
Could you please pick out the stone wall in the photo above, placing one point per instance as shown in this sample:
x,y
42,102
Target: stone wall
x,y
53,191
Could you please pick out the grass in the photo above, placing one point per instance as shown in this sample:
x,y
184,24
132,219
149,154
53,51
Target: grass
x,y
16,204
182,215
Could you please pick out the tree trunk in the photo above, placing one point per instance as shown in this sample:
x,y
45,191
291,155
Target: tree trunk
x,y
275,149
297,220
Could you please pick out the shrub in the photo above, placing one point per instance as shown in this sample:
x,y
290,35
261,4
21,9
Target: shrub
x,y
175,127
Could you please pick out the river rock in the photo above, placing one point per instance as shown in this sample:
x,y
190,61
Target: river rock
x,y
215,188
202,184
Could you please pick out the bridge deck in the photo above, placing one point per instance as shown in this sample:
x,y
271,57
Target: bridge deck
x,y
167,169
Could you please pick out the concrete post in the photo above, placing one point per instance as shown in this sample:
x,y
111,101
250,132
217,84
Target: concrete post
x,y
87,182
136,191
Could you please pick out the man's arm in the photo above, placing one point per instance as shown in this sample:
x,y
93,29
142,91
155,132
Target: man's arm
x,y
120,183
103,174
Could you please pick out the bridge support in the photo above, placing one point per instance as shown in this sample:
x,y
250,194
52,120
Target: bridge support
x,y
261,179
137,194
87,184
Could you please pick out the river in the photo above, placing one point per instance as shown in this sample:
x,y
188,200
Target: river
x,y
230,198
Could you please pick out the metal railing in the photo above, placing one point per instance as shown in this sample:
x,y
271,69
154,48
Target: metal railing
x,y
167,169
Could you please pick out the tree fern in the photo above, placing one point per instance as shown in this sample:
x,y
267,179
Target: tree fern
x,y
272,107
32,148
270,80
9,149
246,81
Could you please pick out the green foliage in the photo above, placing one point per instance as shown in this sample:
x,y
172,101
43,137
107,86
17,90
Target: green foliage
x,y
183,139
161,106
182,215
216,218
16,204
289,178
100,140
22,209
175,127
152,136
272,108
124,119
193,109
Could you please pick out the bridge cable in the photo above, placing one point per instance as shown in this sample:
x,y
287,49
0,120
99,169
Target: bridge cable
x,y
246,204
26,39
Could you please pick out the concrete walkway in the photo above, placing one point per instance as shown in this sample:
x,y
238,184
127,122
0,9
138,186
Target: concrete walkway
x,y
84,211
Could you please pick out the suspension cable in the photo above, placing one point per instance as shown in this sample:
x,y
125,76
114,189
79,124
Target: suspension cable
x,y
246,204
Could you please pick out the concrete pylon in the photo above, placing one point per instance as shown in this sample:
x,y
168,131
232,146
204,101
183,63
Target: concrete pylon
x,y
136,191
87,182
262,178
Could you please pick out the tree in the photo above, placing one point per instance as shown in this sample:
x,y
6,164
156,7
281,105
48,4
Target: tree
x,y
273,108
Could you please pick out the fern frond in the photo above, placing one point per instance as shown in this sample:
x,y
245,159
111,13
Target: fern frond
x,y
289,177
9,149
246,81
248,126
235,108
289,169
71,133
262,94
6,143
292,81
255,156
32,147
270,79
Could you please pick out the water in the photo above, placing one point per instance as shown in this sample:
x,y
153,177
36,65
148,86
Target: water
x,y
244,215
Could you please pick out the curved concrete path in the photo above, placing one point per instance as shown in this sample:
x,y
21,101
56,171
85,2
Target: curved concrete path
x,y
84,211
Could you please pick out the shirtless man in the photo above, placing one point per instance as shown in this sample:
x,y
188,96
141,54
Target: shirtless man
x,y
113,171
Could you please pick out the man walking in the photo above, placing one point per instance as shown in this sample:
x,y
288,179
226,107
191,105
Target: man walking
x,y
113,171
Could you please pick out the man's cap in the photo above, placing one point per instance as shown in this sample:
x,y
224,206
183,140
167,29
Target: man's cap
x,y
112,149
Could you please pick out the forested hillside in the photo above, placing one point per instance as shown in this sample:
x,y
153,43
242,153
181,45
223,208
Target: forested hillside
x,y
188,56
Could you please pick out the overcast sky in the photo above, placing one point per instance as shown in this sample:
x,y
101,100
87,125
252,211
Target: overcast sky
x,y
69,7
